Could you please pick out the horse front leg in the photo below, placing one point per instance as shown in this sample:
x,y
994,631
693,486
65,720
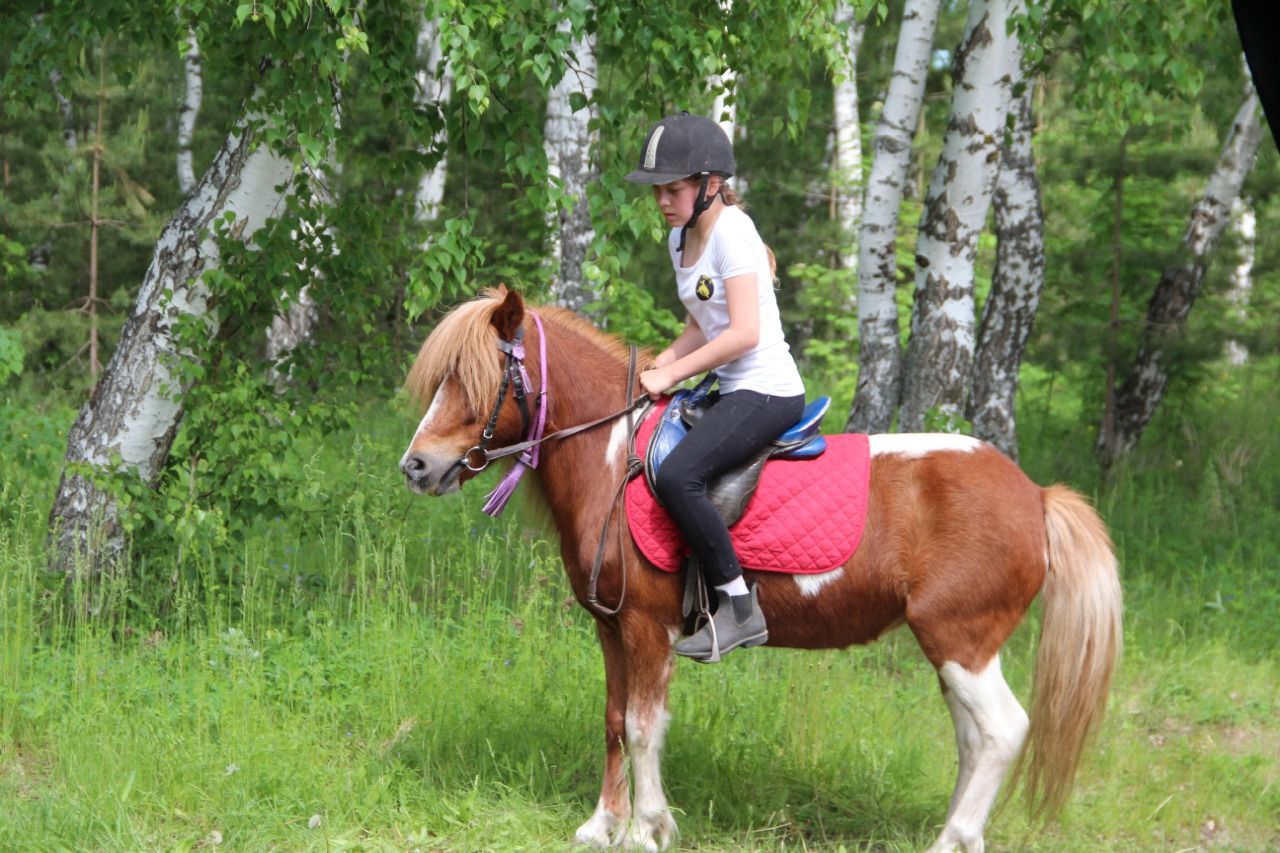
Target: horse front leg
x,y
649,664
608,823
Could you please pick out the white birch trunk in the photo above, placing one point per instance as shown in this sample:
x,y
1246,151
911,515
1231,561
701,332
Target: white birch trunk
x,y
194,71
723,112
848,133
879,352
130,421
290,329
569,142
1179,286
65,110
1244,224
940,353
1016,283
435,86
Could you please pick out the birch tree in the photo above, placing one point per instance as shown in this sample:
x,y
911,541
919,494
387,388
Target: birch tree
x,y
848,132
193,71
725,108
879,353
66,110
940,353
1244,225
1176,292
130,421
1016,283
435,86
569,143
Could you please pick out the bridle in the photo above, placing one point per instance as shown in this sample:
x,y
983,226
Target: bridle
x,y
516,380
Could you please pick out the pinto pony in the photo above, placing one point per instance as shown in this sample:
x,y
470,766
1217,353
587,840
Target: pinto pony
x,y
957,544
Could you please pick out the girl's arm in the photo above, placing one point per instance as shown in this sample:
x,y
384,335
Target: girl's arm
x,y
742,295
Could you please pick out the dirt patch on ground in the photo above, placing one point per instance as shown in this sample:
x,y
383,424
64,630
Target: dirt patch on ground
x,y
24,771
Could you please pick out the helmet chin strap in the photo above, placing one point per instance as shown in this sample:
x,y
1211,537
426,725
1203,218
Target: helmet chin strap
x,y
699,207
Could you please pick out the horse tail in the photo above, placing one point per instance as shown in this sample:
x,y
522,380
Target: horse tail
x,y
1080,640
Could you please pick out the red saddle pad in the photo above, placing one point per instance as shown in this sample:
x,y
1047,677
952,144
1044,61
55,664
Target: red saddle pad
x,y
806,516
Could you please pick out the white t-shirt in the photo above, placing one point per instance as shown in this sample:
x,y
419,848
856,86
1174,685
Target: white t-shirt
x,y
735,248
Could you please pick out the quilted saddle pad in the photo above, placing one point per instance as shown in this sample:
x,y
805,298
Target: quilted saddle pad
x,y
806,516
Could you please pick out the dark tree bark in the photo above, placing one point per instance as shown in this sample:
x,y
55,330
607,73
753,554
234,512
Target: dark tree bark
x,y
1176,293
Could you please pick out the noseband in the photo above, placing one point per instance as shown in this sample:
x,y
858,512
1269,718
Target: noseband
x,y
516,379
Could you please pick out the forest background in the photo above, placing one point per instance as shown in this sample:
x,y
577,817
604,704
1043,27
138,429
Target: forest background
x,y
291,651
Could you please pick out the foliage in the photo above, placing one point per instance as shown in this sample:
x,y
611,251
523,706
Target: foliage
x,y
333,680
335,80
10,354
1132,53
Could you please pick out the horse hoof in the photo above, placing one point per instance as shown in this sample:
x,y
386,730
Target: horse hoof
x,y
602,832
652,833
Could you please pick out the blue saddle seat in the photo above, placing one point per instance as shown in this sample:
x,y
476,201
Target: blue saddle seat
x,y
802,440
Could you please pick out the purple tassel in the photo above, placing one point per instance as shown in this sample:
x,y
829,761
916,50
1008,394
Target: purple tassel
x,y
496,501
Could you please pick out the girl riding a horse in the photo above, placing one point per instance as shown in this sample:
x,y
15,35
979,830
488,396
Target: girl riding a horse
x,y
724,278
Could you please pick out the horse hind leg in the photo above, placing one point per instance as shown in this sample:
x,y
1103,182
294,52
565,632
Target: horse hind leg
x,y
968,744
990,728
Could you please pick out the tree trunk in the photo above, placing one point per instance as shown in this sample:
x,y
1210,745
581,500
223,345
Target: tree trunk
x,y
724,112
939,358
435,85
1244,223
1016,283
65,110
1178,288
188,112
569,141
848,135
289,330
879,352
129,422
91,301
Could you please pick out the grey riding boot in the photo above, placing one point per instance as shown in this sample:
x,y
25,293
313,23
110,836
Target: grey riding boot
x,y
737,622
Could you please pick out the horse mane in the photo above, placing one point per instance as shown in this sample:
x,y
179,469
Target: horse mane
x,y
464,342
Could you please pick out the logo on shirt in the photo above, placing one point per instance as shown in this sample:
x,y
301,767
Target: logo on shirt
x,y
706,287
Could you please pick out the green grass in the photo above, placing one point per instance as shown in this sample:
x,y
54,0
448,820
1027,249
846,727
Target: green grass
x,y
402,673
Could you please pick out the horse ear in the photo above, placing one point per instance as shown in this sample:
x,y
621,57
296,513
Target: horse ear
x,y
509,316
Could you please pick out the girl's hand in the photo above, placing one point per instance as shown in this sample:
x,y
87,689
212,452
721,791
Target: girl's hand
x,y
655,381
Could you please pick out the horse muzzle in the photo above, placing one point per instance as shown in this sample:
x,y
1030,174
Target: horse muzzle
x,y
428,474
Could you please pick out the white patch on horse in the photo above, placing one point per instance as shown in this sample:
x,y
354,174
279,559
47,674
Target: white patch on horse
x,y
652,826
811,585
437,403
990,728
917,444
618,436
602,831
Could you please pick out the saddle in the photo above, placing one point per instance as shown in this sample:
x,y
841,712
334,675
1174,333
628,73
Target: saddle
x,y
732,491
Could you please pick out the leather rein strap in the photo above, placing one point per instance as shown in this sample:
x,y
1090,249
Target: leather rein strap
x,y
634,466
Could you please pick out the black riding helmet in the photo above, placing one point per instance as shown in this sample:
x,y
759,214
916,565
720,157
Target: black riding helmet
x,y
683,146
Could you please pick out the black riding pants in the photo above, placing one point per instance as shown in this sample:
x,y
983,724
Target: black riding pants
x,y
729,433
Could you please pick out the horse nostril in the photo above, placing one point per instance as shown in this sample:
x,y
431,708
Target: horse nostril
x,y
414,466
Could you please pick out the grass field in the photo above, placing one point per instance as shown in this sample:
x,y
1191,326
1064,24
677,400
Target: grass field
x,y
402,673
